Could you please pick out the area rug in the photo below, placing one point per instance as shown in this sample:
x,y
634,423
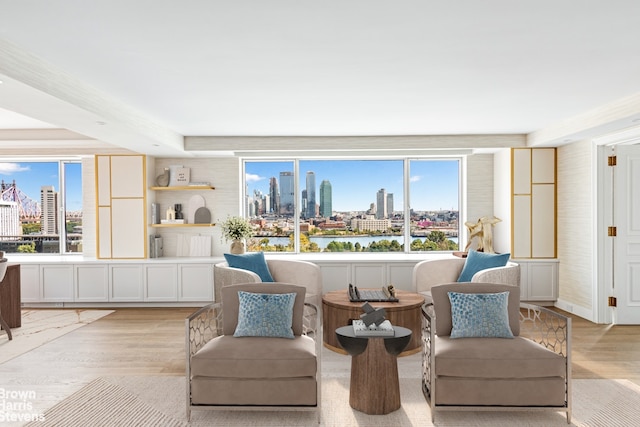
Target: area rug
x,y
160,401
42,326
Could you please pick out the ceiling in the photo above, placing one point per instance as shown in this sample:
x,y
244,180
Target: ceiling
x,y
143,74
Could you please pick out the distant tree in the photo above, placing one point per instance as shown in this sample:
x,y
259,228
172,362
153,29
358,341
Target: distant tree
x,y
28,248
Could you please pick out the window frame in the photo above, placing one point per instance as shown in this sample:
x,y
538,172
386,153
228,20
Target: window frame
x,y
406,205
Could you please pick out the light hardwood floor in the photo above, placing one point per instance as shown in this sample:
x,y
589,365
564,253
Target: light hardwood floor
x,y
151,342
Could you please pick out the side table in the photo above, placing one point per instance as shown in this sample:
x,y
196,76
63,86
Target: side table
x,y
375,388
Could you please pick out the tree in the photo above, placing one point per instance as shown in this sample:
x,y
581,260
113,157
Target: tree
x,y
28,248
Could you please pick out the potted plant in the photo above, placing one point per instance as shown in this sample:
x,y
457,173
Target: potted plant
x,y
236,229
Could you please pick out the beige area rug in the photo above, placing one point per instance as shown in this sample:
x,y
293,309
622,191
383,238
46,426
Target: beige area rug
x,y
160,401
42,326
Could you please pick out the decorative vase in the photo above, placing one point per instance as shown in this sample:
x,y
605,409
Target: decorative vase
x,y
237,247
163,180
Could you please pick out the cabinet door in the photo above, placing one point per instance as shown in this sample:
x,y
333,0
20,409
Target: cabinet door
x,y
543,281
126,282
195,282
30,290
369,275
161,282
91,282
57,282
128,228
543,223
335,276
400,276
127,176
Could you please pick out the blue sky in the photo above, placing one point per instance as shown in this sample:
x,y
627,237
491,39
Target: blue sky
x,y
30,176
354,183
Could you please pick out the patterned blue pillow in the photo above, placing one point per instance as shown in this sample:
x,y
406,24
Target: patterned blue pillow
x,y
252,261
480,315
265,315
478,261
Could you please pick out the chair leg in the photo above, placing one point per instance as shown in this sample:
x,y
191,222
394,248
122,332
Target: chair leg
x,y
5,327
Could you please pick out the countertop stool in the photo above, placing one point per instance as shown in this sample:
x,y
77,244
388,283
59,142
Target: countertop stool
x,y
375,388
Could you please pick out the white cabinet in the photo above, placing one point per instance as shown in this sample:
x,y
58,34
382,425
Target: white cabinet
x,y
195,282
335,276
161,282
57,282
30,290
338,275
538,280
126,282
91,283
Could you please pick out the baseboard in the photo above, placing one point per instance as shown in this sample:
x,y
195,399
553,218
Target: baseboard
x,y
572,308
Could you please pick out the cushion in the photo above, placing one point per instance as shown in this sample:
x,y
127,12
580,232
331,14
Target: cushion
x,y
252,261
480,315
477,261
265,315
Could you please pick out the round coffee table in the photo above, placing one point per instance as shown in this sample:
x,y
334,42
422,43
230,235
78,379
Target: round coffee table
x,y
338,311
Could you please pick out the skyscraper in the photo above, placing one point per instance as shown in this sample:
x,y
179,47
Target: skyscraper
x,y
326,208
389,205
381,204
287,193
49,221
274,195
311,194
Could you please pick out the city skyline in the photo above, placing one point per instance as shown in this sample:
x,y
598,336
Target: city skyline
x,y
433,183
30,177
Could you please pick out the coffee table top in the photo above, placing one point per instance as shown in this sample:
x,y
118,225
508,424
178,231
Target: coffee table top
x,y
406,299
355,345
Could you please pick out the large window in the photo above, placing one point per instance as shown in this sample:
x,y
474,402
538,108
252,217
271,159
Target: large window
x,y
396,205
41,206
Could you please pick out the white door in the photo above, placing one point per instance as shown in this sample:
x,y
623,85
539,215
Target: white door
x,y
626,256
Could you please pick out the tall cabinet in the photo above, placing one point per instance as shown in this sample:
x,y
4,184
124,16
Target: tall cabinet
x,y
526,200
121,190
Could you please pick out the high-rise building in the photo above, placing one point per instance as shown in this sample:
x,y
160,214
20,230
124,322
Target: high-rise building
x,y
9,220
287,193
326,208
381,204
274,195
49,204
311,195
389,205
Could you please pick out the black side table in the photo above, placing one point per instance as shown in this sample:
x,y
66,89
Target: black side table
x,y
375,388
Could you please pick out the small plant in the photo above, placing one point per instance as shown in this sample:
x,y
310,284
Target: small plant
x,y
236,228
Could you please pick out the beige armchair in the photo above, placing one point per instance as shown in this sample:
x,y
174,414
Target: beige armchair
x,y
531,371
270,373
301,273
429,273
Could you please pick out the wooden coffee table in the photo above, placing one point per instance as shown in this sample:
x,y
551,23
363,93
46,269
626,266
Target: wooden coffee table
x,y
338,311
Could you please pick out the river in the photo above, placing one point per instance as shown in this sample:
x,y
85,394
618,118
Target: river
x,y
323,241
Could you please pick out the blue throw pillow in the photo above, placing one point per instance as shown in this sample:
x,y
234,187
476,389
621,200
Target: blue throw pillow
x,y
480,315
265,315
252,261
477,261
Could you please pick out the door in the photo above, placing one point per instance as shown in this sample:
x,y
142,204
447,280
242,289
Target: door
x,y
626,246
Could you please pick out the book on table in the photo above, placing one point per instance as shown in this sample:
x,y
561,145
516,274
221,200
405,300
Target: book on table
x,y
385,329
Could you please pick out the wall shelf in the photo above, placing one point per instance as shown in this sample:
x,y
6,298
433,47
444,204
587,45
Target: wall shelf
x,y
182,225
185,187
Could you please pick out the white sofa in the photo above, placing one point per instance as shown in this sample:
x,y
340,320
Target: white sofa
x,y
429,273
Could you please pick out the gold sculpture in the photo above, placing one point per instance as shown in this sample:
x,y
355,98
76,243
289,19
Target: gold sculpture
x,y
483,231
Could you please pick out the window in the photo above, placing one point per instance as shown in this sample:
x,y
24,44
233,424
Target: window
x,y
353,205
41,207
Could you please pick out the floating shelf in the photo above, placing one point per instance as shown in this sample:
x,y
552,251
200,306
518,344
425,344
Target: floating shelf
x,y
182,225
184,187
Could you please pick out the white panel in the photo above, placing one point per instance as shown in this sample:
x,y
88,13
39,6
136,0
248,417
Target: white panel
x,y
634,284
335,276
633,199
128,234
127,176
91,283
543,161
104,232
521,227
126,283
103,175
195,282
30,289
542,281
522,171
57,282
400,276
543,221
161,282
524,280
369,275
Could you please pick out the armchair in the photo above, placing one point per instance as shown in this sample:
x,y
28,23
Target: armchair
x,y
226,372
429,273
531,371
